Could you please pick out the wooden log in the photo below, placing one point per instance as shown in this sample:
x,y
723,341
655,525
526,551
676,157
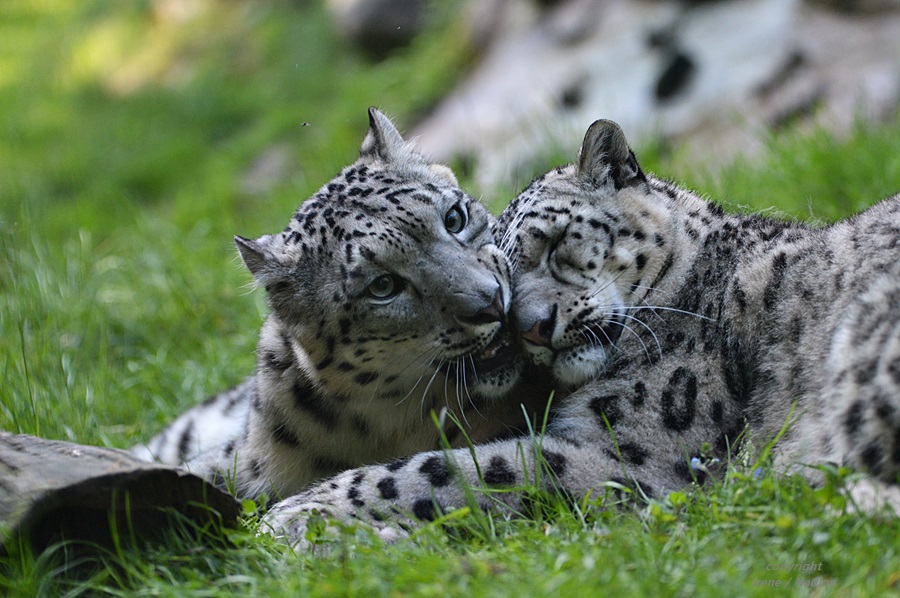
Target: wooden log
x,y
52,490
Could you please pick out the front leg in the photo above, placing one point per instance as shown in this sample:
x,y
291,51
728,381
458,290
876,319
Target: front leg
x,y
392,498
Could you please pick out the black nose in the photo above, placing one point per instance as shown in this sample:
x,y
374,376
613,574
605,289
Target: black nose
x,y
542,332
487,314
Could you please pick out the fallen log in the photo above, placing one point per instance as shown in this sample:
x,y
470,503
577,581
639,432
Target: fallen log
x,y
52,490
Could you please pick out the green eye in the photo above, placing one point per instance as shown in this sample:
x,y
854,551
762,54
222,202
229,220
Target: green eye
x,y
384,287
455,219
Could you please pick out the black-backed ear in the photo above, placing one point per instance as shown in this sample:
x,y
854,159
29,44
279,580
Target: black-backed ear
x,y
444,173
605,156
258,257
383,140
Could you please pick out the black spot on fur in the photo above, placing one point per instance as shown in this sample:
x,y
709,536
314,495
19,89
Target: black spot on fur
x,y
353,497
425,509
866,373
630,452
397,464
556,462
683,384
282,434
364,378
633,453
435,469
387,487
884,409
739,296
894,370
674,340
309,401
717,411
606,406
499,473
670,259
873,458
770,295
184,441
796,329
640,394
740,370
853,418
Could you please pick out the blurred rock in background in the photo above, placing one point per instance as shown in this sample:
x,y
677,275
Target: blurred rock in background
x,y
379,26
714,75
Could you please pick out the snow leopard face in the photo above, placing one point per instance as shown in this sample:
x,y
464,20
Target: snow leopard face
x,y
389,278
587,242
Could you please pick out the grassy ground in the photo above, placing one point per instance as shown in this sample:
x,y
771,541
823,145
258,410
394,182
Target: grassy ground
x,y
128,139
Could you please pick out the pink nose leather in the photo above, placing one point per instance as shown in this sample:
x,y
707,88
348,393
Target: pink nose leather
x,y
539,334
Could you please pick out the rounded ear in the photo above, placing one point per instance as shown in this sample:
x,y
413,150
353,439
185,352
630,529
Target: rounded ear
x,y
605,156
444,172
383,140
259,257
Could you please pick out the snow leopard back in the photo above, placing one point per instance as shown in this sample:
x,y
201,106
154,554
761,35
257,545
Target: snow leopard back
x,y
388,302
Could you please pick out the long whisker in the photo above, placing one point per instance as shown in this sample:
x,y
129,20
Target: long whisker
x,y
425,362
428,387
671,309
420,361
647,328
469,398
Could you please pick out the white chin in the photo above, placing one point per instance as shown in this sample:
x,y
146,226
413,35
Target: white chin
x,y
579,367
497,384
539,356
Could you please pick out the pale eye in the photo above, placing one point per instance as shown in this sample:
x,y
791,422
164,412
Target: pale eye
x,y
384,287
455,219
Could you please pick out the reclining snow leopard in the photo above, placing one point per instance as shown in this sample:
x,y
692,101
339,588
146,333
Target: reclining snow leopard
x,y
675,325
388,300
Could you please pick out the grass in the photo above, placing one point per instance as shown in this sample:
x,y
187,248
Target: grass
x,y
126,138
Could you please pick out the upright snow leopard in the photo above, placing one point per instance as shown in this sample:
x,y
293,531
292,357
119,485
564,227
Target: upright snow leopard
x,y
388,299
674,325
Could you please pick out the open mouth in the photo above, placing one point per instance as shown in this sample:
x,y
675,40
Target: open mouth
x,y
497,354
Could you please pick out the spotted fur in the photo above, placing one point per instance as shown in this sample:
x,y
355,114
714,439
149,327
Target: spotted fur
x,y
676,330
388,299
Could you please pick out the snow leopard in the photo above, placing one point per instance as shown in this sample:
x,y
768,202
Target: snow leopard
x,y
389,301
674,331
